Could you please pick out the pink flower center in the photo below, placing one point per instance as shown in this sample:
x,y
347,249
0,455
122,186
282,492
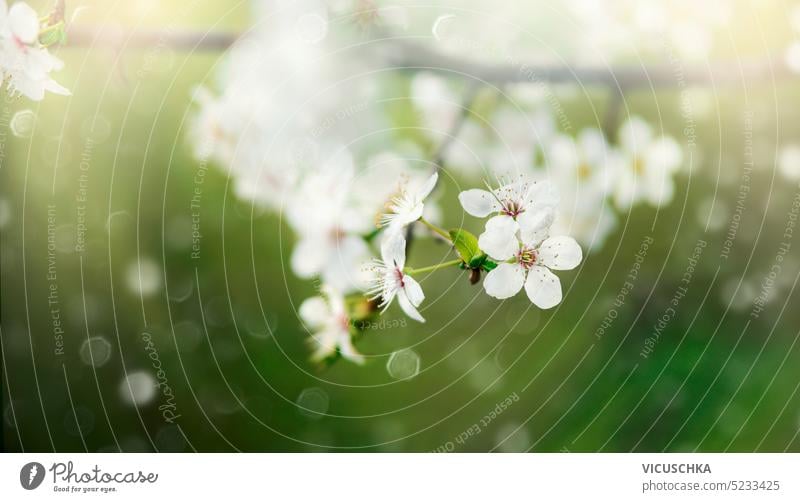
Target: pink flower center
x,y
512,208
527,257
399,277
20,44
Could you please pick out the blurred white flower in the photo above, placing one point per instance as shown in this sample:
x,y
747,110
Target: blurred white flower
x,y
268,120
646,166
327,317
505,142
789,162
614,30
23,61
212,132
582,170
390,281
582,166
792,57
469,152
520,205
437,103
516,139
529,266
329,227
407,206
590,228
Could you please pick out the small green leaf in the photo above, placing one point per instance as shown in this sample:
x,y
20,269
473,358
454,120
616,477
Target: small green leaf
x,y
488,265
477,261
466,244
53,34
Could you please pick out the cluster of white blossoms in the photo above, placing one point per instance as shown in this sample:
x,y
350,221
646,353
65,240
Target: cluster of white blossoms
x,y
516,250
625,28
519,135
517,237
25,63
291,125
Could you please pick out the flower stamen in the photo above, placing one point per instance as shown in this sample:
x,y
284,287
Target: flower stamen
x,y
527,257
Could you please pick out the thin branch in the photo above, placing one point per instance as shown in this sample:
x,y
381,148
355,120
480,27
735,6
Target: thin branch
x,y
188,40
414,56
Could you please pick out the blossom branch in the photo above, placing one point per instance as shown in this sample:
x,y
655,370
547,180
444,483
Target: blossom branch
x,y
435,229
431,268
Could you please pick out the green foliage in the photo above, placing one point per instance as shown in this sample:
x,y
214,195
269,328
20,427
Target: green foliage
x,y
466,245
54,34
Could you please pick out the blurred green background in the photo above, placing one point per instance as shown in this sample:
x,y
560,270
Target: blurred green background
x,y
224,327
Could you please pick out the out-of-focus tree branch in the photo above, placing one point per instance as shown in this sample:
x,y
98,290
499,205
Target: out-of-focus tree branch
x,y
408,55
111,37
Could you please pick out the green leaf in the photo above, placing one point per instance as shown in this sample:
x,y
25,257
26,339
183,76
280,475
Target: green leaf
x,y
53,34
488,265
466,244
478,260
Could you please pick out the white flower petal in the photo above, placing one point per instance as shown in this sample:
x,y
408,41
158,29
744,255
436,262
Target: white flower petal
x,y
593,145
499,240
345,258
477,202
562,154
393,250
535,225
56,88
664,154
413,290
543,287
401,220
541,194
504,281
626,190
427,187
23,22
309,257
635,135
409,308
314,312
326,341
348,350
658,189
560,253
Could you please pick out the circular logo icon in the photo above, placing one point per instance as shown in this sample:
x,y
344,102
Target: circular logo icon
x,y
31,475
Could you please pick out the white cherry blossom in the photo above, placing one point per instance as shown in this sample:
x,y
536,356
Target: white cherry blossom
x,y
584,170
530,265
647,165
520,205
329,227
437,103
789,161
327,317
408,205
390,281
23,62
